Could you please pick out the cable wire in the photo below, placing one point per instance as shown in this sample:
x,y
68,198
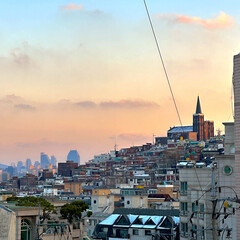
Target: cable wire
x,y
164,68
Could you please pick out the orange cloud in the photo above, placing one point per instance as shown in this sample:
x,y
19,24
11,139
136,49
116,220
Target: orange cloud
x,y
221,21
72,6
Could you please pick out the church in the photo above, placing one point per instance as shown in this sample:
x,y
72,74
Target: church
x,y
201,130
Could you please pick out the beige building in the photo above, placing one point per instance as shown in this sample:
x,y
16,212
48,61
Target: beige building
x,y
4,196
165,189
101,192
102,203
74,187
7,224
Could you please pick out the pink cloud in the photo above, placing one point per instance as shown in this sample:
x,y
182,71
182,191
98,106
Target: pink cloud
x,y
72,6
221,21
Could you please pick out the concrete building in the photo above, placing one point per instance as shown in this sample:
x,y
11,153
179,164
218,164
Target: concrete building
x,y
147,225
102,203
134,198
166,189
8,224
236,83
65,169
73,187
207,196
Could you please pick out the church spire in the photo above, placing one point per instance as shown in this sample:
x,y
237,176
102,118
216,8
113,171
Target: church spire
x,y
198,109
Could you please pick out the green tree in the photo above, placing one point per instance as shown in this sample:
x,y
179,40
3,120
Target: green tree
x,y
46,206
89,213
74,210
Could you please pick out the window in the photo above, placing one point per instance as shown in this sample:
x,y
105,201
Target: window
x,y
183,188
194,209
148,232
128,202
25,229
94,201
201,214
184,208
184,229
202,233
121,233
194,230
135,231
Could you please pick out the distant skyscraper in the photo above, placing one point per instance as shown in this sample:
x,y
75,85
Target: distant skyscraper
x,y
53,160
11,170
19,166
74,156
36,164
28,164
45,161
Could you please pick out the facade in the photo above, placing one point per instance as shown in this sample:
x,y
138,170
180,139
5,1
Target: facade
x,y
102,203
186,132
65,169
8,224
236,84
207,196
73,187
28,181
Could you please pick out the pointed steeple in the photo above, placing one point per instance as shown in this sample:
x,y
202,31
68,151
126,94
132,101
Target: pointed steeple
x,y
198,108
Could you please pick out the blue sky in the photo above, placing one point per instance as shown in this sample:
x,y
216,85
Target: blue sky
x,y
78,78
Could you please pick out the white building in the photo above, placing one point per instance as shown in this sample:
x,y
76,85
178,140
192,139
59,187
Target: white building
x,y
207,197
236,83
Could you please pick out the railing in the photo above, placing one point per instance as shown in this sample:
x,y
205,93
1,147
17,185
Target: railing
x,y
184,234
183,192
184,213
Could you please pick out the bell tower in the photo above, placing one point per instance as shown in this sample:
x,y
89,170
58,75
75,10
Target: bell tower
x,y
198,121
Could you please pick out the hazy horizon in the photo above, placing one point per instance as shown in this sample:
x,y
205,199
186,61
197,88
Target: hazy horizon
x,y
86,74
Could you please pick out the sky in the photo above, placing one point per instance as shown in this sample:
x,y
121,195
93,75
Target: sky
x,y
86,74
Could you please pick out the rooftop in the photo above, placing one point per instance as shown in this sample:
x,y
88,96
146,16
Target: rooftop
x,y
179,129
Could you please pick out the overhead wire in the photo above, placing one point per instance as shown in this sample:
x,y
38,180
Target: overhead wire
x,y
163,64
167,78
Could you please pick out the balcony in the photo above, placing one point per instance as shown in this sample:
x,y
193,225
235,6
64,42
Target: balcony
x,y
183,213
183,193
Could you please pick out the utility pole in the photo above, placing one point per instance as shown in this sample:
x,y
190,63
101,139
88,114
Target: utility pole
x,y
214,204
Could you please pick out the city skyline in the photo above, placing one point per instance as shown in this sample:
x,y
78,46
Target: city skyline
x,y
85,74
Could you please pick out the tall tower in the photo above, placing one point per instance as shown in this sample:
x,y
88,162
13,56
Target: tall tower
x,y
236,83
74,156
198,121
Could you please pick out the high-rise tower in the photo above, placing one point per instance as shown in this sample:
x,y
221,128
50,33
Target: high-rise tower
x,y
74,156
236,83
198,121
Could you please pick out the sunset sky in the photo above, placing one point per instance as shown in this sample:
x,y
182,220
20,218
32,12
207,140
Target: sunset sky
x,y
84,74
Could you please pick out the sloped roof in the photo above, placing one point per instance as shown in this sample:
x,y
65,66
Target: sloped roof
x,y
180,129
198,108
147,211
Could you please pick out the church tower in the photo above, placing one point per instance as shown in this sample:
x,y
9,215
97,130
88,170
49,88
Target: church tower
x,y
198,121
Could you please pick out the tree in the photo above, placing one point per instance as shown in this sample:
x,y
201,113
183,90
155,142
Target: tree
x,y
89,213
47,207
73,210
